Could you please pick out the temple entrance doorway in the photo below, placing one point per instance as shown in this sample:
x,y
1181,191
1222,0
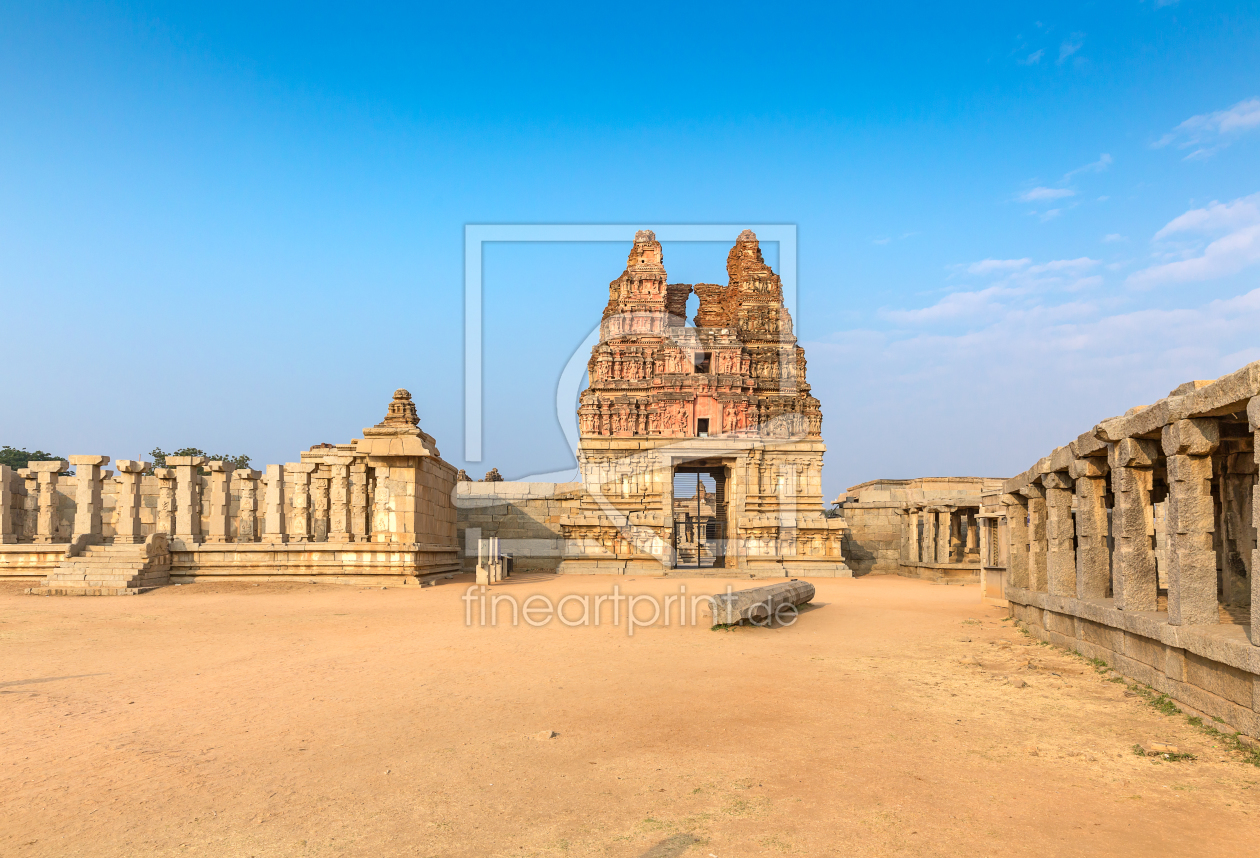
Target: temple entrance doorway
x,y
699,517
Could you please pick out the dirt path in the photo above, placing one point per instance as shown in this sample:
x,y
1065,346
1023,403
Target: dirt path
x,y
278,720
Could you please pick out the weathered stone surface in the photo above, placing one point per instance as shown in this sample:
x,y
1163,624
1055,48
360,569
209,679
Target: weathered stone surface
x,y
88,524
1191,523
1134,578
1093,560
127,526
1060,551
1196,437
760,604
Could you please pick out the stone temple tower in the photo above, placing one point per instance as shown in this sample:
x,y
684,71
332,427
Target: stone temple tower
x,y
700,444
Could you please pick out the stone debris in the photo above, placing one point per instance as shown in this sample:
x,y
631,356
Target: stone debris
x,y
759,604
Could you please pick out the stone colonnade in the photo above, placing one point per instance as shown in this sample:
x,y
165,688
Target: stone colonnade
x,y
940,534
1082,522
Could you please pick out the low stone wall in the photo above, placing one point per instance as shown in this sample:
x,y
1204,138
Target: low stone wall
x,y
319,562
1212,668
29,563
524,516
872,545
942,571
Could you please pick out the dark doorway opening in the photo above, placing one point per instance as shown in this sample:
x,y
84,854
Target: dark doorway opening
x,y
700,515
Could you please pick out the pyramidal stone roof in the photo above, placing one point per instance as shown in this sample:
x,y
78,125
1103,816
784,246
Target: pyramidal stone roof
x,y
735,371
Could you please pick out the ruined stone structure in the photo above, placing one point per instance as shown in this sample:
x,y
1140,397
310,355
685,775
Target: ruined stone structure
x,y
1135,543
724,404
930,527
376,509
699,446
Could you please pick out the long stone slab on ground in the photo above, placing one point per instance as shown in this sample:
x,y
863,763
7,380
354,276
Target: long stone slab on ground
x,y
758,603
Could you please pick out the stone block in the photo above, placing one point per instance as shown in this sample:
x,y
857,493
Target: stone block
x,y
1134,453
1192,437
1220,679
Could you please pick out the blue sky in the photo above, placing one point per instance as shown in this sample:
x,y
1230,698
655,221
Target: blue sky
x,y
241,228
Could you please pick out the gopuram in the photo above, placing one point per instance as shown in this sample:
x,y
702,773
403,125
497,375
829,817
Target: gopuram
x,y
700,446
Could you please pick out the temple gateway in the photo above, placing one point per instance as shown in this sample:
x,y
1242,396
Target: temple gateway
x,y
700,445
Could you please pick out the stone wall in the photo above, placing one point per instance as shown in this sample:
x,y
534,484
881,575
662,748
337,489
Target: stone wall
x,y
873,542
524,516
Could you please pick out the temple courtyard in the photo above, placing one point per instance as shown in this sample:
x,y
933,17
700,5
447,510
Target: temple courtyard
x,y
896,717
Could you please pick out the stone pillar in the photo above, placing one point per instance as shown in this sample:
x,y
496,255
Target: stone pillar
x,y
87,497
382,515
339,498
957,535
1037,575
187,531
927,550
300,524
220,512
30,503
165,518
910,536
127,506
359,519
1191,521
46,517
8,522
319,505
973,534
1093,560
1134,580
1060,553
1017,534
1253,418
944,528
274,530
247,518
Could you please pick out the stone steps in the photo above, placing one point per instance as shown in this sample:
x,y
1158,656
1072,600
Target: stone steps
x,y
110,570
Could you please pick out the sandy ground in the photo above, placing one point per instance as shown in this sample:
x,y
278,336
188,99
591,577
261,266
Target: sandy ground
x,y
285,719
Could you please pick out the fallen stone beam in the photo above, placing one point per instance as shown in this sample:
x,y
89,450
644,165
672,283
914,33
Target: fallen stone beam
x,y
759,604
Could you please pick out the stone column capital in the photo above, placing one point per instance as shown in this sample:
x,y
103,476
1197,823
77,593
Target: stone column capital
x,y
88,461
1197,436
1133,453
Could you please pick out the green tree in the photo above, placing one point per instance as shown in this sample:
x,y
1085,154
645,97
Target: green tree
x,y
16,458
159,457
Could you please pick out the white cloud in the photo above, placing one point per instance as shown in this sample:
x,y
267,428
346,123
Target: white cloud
x,y
1065,266
1242,212
989,266
1043,367
1040,193
1015,283
1204,244
1104,161
1070,46
1210,132
1113,237
1033,58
